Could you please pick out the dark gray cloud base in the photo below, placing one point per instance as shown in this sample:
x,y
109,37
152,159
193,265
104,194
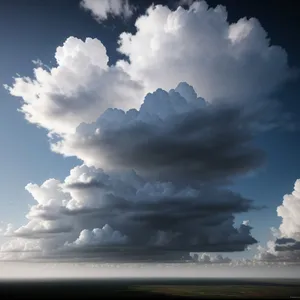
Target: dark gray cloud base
x,y
171,138
163,190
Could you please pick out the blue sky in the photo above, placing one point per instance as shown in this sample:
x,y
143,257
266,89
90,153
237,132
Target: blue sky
x,y
34,30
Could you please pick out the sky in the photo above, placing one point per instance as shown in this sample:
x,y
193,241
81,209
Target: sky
x,y
206,158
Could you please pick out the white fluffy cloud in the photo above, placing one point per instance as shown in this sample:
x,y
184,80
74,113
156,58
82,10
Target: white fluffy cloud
x,y
20,245
98,237
286,243
102,9
77,90
199,46
289,211
38,227
49,193
270,254
20,249
207,258
7,229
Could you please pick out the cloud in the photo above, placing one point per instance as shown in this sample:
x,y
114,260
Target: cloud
x,y
243,262
77,90
178,138
293,246
223,61
160,134
98,236
39,228
234,61
286,244
289,211
6,229
102,9
282,241
185,2
49,193
274,253
207,258
147,218
20,245
20,249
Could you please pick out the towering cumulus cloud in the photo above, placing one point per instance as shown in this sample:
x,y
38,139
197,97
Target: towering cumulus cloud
x,y
199,46
160,136
286,246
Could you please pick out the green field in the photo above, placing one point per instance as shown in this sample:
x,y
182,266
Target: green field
x,y
168,288
223,291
